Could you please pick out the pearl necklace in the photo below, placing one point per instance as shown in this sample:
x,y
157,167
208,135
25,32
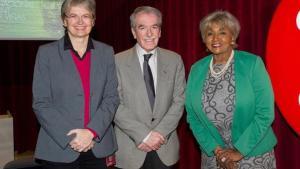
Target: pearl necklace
x,y
220,73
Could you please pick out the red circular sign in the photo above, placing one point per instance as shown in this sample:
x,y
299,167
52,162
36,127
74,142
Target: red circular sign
x,y
283,60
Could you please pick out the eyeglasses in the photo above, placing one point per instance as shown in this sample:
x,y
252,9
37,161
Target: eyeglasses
x,y
84,18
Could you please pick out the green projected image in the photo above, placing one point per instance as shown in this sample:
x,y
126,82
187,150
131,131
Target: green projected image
x,y
30,20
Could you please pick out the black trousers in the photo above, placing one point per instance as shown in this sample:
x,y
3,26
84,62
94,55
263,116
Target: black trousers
x,y
153,161
86,160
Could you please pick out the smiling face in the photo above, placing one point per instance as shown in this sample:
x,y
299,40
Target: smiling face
x,y
219,40
79,22
146,30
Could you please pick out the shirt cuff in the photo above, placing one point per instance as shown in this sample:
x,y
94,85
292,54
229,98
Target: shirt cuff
x,y
93,132
146,138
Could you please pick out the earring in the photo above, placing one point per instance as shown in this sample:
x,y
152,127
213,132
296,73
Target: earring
x,y
233,44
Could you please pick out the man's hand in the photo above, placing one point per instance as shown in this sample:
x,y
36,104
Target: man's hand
x,y
155,140
82,140
144,147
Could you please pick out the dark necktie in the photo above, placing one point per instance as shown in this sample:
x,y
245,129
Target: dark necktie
x,y
148,77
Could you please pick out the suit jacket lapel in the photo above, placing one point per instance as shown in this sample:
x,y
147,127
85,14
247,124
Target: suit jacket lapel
x,y
94,69
136,76
70,67
198,88
241,90
162,79
197,94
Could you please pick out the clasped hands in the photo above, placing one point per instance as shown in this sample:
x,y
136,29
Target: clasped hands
x,y
153,142
82,141
227,158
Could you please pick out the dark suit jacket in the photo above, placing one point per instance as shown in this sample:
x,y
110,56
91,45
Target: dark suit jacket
x,y
58,100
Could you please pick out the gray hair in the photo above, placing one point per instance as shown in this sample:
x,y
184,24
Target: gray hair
x,y
147,10
220,17
67,4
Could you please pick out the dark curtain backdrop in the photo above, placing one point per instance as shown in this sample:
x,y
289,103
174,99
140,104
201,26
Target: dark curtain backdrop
x,y
179,33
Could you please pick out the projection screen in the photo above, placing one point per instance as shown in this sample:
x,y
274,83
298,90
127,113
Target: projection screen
x,y
30,20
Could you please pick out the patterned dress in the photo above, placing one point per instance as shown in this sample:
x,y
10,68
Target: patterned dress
x,y
218,102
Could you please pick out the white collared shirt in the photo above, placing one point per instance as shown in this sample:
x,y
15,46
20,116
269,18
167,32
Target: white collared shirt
x,y
152,61
153,65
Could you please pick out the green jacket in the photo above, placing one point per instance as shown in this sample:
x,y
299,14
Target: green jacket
x,y
254,107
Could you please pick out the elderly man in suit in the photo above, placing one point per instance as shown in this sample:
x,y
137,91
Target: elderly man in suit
x,y
75,94
151,89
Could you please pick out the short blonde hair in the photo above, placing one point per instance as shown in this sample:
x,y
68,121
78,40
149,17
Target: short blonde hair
x,y
223,18
67,4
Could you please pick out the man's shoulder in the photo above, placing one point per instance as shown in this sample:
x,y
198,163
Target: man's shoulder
x,y
123,56
170,56
167,52
125,53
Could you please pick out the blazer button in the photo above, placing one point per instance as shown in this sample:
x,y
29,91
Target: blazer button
x,y
152,119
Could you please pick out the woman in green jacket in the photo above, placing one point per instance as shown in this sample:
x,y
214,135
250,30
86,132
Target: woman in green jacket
x,y
229,101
